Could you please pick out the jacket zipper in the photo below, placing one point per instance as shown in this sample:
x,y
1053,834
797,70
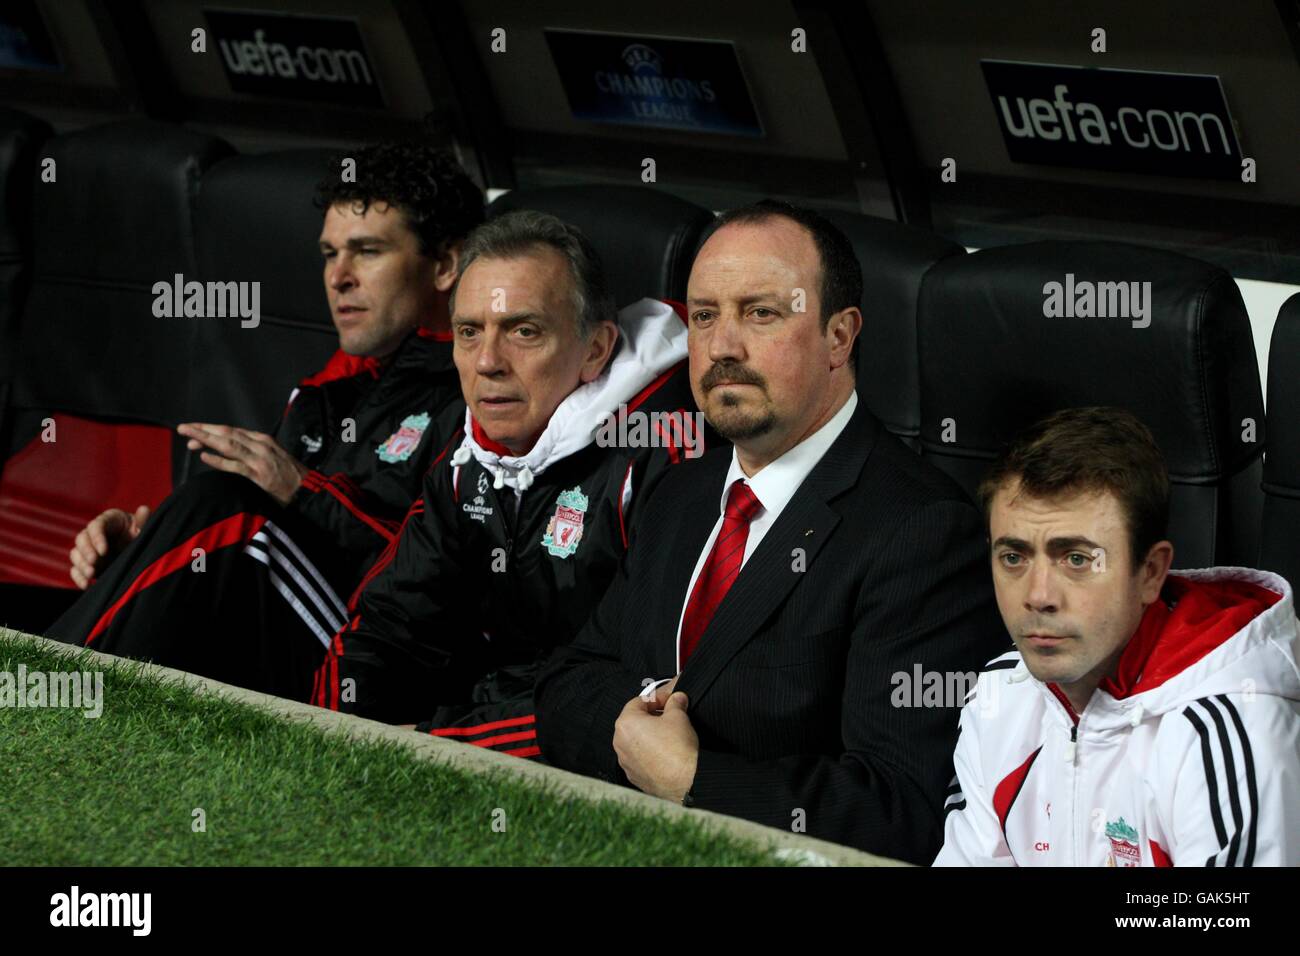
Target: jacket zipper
x,y
1072,752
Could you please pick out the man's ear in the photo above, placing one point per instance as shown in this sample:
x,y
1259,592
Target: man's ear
x,y
1154,570
842,328
599,348
446,267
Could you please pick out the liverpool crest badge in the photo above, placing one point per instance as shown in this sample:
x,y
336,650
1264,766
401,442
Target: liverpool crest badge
x,y
564,530
402,443
1124,849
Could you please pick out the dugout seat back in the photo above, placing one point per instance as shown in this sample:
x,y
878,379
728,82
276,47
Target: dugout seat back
x,y
118,219
101,379
894,258
1280,536
21,138
257,222
999,350
646,238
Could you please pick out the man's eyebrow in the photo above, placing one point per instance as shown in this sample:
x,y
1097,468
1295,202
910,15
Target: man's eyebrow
x,y
513,318
354,242
1060,545
765,295
1075,542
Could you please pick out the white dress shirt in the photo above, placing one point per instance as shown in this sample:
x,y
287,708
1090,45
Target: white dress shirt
x,y
774,486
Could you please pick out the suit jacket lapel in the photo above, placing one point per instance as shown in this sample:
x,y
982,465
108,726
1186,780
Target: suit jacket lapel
x,y
699,513
768,576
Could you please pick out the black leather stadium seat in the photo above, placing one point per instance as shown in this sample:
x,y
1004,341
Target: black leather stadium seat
x,y
646,238
1280,544
992,362
21,137
257,223
894,258
119,219
91,356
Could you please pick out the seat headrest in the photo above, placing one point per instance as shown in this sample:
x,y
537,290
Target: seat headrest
x,y
646,238
1005,340
21,136
1282,464
122,206
893,257
257,222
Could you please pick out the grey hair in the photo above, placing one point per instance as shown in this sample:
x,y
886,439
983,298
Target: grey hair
x,y
520,232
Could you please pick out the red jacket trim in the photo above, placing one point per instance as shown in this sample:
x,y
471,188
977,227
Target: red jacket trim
x,y
233,530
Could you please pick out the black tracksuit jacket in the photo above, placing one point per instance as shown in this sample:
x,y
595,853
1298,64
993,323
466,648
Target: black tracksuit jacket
x,y
368,437
147,605
458,615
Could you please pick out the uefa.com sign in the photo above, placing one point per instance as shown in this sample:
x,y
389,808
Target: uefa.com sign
x,y
1168,124
292,57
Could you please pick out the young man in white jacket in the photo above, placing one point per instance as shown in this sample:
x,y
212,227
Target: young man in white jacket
x,y
1144,718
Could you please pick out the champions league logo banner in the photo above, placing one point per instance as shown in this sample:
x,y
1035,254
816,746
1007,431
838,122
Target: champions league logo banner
x,y
694,85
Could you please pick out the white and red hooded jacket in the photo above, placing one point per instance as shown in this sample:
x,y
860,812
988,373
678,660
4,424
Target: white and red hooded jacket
x,y
1188,756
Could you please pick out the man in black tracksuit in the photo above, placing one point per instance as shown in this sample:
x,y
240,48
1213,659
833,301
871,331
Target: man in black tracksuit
x,y
243,573
525,514
356,488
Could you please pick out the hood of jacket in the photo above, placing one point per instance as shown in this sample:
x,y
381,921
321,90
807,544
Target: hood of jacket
x,y
652,339
1215,631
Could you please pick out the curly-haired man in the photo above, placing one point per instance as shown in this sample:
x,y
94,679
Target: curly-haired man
x,y
270,543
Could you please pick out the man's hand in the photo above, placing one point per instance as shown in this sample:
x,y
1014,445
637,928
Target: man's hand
x,y
661,695
254,455
657,751
99,542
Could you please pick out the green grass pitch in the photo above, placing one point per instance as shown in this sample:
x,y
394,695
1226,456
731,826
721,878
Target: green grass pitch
x,y
122,789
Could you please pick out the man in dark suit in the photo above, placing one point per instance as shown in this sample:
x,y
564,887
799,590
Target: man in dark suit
x,y
775,591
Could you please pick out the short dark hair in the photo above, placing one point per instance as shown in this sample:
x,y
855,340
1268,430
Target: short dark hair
x,y
522,231
841,283
1091,449
440,202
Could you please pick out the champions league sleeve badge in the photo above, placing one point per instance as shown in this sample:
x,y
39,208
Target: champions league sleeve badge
x,y
564,530
400,445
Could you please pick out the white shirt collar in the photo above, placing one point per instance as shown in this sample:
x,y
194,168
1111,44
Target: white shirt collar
x,y
776,483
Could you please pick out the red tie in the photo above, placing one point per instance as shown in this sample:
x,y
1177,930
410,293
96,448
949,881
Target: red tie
x,y
722,567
